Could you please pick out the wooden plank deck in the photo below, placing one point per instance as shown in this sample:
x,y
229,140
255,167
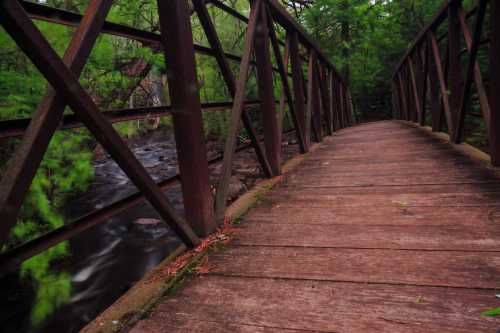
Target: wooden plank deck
x,y
385,229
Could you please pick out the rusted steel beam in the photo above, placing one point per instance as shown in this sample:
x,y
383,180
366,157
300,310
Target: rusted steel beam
x,y
17,24
406,92
421,80
16,127
338,100
478,77
312,100
228,76
317,115
409,93
334,100
234,13
151,39
438,18
23,165
468,16
494,84
455,69
284,62
287,96
396,108
265,85
239,98
285,20
298,89
393,101
459,133
332,106
346,108
325,97
342,106
414,89
433,79
406,83
402,96
441,78
177,41
343,121
14,257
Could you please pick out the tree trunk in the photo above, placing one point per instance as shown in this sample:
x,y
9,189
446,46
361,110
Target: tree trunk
x,y
346,40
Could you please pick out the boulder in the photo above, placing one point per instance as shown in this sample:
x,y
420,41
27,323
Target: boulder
x,y
236,187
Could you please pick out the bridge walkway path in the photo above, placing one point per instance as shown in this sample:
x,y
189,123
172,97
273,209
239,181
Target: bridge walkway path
x,y
384,228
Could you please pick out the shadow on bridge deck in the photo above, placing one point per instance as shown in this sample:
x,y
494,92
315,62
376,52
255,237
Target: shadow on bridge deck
x,y
386,229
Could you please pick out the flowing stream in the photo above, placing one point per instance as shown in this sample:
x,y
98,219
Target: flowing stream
x,y
104,261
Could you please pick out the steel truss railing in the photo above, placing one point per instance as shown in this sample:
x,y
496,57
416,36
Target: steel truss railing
x,y
423,76
320,101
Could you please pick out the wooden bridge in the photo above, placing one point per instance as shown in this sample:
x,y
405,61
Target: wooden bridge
x,y
384,227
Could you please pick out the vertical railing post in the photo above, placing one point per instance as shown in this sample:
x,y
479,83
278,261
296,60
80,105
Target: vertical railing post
x,y
412,113
395,105
398,97
313,115
414,91
325,97
441,75
227,74
404,92
266,94
469,76
298,89
177,42
402,96
237,111
331,89
494,85
455,67
346,107
335,98
433,90
424,70
342,105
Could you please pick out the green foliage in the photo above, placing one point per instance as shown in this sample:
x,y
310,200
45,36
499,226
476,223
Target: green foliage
x,y
119,73
494,312
65,170
366,39
53,288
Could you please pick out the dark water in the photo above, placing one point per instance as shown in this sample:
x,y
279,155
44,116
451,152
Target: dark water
x,y
106,260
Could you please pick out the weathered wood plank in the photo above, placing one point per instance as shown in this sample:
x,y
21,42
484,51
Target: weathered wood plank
x,y
457,269
408,237
329,307
378,200
205,326
380,216
383,228
401,178
362,191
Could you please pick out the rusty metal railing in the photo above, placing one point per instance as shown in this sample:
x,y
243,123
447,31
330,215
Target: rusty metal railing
x,y
320,102
424,80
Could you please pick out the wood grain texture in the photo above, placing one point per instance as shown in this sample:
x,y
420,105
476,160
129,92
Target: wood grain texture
x,y
327,306
383,228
